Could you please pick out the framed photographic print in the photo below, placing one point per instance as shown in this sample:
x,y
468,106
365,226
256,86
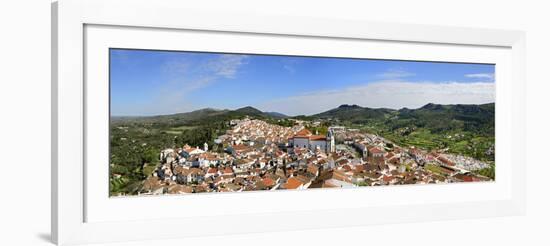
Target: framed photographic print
x,y
168,120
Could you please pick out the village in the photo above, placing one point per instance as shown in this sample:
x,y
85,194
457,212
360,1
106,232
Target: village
x,y
256,155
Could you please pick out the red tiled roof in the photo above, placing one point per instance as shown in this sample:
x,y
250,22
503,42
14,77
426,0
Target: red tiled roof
x,y
189,149
317,137
227,170
240,147
375,150
465,178
312,168
340,175
303,133
387,178
445,160
468,179
293,183
268,182
343,162
208,156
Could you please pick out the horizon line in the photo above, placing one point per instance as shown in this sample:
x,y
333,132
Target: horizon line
x,y
287,115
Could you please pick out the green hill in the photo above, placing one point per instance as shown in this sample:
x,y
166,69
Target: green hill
x,y
434,117
190,118
355,114
464,129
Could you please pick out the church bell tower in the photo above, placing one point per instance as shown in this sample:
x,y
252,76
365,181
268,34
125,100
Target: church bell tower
x,y
332,145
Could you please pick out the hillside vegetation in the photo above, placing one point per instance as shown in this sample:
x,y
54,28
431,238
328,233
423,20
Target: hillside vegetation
x,y
136,141
462,129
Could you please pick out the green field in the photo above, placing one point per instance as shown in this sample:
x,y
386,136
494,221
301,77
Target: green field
x,y
457,142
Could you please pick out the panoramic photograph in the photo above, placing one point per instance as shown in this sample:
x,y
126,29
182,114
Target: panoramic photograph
x,y
185,122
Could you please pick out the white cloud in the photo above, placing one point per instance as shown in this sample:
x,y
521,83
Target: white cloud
x,y
481,76
396,95
194,73
289,63
395,74
185,76
226,65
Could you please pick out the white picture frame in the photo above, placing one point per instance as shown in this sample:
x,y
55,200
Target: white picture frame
x,y
79,216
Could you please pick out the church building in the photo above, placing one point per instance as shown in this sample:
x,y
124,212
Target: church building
x,y
305,139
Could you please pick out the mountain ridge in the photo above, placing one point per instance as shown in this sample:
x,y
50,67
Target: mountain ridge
x,y
253,110
433,117
436,117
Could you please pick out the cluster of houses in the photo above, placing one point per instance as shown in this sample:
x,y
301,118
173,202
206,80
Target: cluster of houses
x,y
260,156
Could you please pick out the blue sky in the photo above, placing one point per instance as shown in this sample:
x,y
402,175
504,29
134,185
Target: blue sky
x,y
145,82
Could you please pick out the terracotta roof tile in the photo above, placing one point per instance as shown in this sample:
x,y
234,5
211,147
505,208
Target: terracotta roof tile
x,y
292,183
